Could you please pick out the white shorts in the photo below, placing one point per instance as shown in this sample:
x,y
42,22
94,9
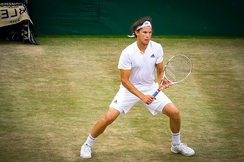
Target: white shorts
x,y
124,100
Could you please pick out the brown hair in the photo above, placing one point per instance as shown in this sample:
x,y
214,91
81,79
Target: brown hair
x,y
139,23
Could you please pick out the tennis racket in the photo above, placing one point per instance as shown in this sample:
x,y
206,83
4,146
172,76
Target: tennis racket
x,y
177,69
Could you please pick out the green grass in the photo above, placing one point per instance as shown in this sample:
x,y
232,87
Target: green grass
x,y
52,94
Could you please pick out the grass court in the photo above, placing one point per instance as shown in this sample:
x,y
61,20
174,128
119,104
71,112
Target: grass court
x,y
53,93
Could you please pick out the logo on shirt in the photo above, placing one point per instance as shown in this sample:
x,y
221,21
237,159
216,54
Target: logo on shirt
x,y
152,56
115,101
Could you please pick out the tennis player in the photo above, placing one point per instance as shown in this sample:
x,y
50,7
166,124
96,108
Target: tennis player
x,y
137,65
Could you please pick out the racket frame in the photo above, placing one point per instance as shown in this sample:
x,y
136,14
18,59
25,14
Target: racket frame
x,y
172,82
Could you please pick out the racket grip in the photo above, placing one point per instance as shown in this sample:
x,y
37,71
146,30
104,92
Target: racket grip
x,y
156,93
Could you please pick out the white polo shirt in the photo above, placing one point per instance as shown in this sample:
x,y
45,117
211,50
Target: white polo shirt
x,y
142,65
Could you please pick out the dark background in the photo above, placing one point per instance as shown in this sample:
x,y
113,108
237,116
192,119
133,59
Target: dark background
x,y
170,17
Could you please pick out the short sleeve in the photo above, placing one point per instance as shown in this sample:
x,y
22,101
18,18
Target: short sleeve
x,y
124,61
160,54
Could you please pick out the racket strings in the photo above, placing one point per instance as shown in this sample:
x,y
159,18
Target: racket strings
x,y
178,68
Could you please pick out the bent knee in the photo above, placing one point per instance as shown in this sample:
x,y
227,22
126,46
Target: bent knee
x,y
108,119
175,114
171,111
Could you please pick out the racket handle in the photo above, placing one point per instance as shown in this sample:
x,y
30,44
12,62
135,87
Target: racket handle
x,y
156,93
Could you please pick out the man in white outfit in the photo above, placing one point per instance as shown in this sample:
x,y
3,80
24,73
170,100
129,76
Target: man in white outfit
x,y
137,65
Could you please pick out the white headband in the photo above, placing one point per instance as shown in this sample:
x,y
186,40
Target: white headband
x,y
145,24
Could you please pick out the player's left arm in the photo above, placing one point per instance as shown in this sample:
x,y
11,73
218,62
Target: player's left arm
x,y
160,71
160,75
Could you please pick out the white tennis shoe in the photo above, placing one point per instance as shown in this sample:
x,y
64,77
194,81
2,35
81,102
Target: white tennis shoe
x,y
85,151
183,149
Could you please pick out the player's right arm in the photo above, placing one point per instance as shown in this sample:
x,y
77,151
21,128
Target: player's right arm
x,y
125,75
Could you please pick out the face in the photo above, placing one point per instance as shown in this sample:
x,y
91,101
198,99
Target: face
x,y
144,35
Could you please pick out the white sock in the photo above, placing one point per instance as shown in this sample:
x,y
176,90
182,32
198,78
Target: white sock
x,y
176,138
90,140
